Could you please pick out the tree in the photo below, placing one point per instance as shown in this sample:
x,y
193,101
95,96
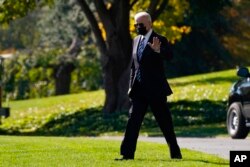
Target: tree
x,y
238,41
203,45
57,31
63,29
116,46
11,9
110,23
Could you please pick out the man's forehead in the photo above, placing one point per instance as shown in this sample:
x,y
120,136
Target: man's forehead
x,y
141,18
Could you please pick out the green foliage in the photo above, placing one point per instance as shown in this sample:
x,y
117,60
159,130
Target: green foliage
x,y
20,34
168,22
203,44
238,41
23,81
58,151
43,39
46,33
12,9
60,24
88,75
196,29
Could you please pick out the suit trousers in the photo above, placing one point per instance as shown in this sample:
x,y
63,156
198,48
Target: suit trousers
x,y
160,109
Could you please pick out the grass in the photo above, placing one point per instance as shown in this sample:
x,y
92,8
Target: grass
x,y
211,86
28,115
206,130
198,107
82,151
197,100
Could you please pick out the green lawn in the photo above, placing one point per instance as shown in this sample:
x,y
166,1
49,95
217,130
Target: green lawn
x,y
28,115
197,100
85,152
210,86
198,107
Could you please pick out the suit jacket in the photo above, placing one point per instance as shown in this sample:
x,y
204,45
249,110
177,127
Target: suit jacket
x,y
153,81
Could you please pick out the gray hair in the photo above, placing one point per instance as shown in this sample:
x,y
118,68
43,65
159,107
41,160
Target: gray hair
x,y
140,14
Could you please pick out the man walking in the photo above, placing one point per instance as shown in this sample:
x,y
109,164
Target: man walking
x,y
148,87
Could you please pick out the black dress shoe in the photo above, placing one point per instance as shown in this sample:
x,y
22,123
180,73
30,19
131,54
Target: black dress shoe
x,y
124,158
176,156
175,153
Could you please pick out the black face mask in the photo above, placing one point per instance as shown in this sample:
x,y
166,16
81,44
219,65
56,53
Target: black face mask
x,y
141,30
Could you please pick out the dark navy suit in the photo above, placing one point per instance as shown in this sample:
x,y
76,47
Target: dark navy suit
x,y
151,90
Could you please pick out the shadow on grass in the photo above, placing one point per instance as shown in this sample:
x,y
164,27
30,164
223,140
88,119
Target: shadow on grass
x,y
205,130
89,122
191,119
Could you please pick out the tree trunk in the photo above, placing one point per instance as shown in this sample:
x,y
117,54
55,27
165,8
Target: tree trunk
x,y
116,49
62,72
116,87
63,78
116,73
116,67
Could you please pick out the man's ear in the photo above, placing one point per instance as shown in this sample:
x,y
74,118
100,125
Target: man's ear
x,y
150,24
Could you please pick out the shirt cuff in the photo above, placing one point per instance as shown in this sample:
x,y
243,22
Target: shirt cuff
x,y
157,51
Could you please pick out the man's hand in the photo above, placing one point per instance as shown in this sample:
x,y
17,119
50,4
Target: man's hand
x,y
155,45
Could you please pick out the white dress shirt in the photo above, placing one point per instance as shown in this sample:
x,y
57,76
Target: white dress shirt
x,y
146,37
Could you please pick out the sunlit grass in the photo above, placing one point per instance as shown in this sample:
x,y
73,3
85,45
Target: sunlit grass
x,y
212,86
79,151
29,115
34,112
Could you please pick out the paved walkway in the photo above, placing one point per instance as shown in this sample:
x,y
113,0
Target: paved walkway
x,y
217,146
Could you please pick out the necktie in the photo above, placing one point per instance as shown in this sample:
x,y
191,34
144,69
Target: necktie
x,y
139,54
140,48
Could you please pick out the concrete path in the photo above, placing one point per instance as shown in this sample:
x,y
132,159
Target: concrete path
x,y
217,146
